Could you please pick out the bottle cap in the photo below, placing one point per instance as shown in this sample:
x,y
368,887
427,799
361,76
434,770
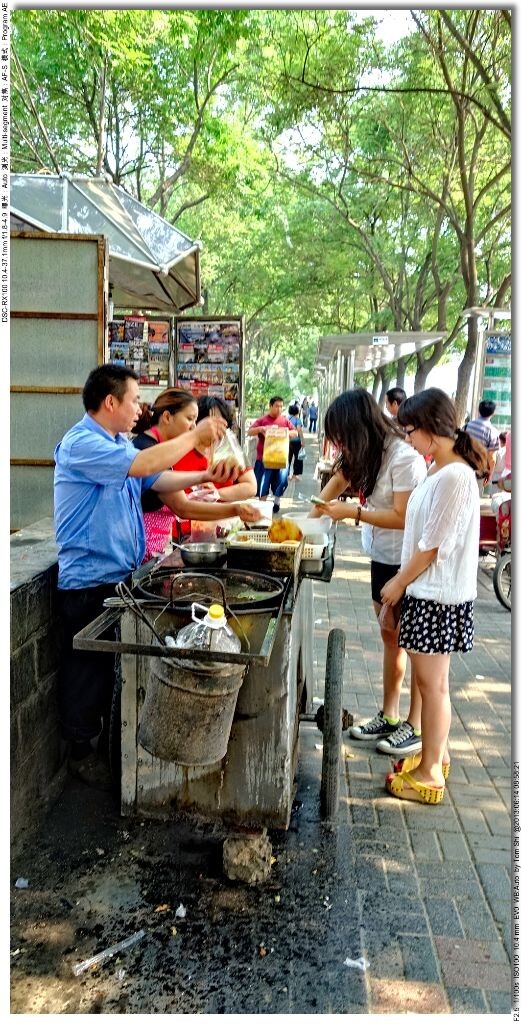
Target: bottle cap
x,y
216,611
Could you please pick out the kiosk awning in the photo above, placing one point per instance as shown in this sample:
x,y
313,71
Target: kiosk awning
x,y
152,265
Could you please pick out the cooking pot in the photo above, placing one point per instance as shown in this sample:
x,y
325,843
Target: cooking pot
x,y
202,553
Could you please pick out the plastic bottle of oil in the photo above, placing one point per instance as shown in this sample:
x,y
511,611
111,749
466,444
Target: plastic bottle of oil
x,y
210,633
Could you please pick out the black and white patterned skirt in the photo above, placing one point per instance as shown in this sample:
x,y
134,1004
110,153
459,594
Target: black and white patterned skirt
x,y
427,627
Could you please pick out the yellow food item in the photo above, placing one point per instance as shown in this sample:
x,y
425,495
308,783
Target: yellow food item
x,y
282,530
276,447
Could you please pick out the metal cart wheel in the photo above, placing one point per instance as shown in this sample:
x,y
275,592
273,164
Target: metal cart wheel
x,y
502,579
332,742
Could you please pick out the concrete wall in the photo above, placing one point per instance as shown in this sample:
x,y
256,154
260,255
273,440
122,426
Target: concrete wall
x,y
37,753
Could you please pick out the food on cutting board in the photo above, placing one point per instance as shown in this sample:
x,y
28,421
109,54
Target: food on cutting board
x,y
284,529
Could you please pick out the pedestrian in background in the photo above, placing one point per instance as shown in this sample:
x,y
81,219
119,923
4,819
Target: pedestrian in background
x,y
296,444
499,466
393,400
484,433
275,480
305,412
313,414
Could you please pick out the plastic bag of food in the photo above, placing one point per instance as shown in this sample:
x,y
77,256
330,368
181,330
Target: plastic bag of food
x,y
200,530
276,448
228,447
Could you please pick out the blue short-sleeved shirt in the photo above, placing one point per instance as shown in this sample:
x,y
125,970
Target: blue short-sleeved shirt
x,y
97,507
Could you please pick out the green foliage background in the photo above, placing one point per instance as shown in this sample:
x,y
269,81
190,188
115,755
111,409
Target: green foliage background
x,y
337,183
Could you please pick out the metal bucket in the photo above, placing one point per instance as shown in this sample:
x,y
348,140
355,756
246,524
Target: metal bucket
x,y
188,710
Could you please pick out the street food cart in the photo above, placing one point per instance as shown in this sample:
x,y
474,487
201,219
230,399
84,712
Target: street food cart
x,y
252,786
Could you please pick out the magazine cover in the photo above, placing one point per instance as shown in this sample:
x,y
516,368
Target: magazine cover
x,y
136,329
215,352
159,351
231,351
185,352
231,333
119,350
138,350
212,332
231,373
158,330
206,359
201,351
186,371
189,333
116,331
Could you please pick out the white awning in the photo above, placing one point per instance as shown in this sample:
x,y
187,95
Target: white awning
x,y
373,350
152,265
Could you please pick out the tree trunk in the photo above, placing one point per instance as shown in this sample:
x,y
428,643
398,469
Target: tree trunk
x,y
401,367
101,137
385,377
420,377
465,369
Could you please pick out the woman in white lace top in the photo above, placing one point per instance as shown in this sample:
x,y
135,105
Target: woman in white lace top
x,y
437,579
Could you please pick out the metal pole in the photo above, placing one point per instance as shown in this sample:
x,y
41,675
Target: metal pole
x,y
478,370
349,374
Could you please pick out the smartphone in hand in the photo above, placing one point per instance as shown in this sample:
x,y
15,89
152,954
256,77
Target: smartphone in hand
x,y
318,501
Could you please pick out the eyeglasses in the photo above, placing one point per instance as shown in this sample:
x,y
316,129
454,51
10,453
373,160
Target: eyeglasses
x,y
409,432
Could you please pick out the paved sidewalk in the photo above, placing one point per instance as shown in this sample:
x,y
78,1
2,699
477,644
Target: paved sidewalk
x,y
433,883
422,893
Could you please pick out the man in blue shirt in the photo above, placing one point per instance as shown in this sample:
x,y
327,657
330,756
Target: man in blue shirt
x,y
98,481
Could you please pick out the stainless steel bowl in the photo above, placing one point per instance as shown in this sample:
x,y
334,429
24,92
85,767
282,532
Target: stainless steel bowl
x,y
203,554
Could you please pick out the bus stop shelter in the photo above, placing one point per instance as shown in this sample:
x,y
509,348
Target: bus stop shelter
x,y
340,356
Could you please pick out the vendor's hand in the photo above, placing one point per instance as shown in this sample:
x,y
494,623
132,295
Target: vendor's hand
x,y
211,429
392,591
248,513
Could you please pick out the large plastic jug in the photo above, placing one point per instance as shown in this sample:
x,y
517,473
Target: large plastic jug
x,y
210,633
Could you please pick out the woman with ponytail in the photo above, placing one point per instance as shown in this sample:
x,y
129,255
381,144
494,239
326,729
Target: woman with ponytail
x,y
436,580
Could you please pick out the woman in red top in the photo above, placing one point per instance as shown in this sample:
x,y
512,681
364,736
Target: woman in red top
x,y
246,484
175,412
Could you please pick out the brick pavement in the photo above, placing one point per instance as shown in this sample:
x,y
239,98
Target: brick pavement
x,y
433,883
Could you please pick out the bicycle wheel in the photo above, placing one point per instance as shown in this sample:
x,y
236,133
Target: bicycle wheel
x,y
502,579
332,733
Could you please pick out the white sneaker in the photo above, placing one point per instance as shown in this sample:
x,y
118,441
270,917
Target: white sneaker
x,y
403,741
